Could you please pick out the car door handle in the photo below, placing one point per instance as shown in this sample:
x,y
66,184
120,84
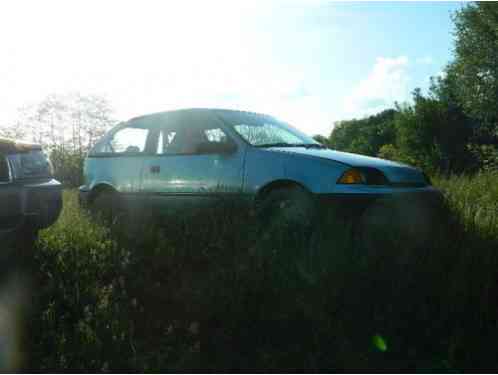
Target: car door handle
x,y
155,169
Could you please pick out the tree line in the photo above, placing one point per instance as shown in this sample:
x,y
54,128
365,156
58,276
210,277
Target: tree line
x,y
67,126
454,127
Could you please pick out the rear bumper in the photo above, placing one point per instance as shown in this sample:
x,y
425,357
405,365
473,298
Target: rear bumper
x,y
36,204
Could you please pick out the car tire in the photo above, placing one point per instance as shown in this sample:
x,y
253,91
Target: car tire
x,y
287,210
396,222
106,206
27,239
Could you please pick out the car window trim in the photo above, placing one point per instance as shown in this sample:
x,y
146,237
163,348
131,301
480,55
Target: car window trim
x,y
119,154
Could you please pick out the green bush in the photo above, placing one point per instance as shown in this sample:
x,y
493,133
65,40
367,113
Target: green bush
x,y
68,166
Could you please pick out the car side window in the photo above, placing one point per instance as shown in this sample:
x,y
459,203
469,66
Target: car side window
x,y
128,140
164,140
188,140
215,135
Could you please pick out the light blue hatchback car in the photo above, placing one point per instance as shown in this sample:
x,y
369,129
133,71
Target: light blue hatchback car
x,y
194,157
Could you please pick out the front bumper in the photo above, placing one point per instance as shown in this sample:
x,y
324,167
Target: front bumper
x,y
354,205
36,204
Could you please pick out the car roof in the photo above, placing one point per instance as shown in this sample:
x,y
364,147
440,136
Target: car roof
x,y
9,146
208,112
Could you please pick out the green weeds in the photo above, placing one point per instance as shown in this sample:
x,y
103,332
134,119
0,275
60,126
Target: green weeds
x,y
217,292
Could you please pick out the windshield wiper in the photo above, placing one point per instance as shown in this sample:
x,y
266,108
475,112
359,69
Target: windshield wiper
x,y
277,144
284,144
311,145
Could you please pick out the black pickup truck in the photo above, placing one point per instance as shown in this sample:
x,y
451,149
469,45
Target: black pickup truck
x,y
30,198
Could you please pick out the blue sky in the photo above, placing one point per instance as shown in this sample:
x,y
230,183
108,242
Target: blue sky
x,y
308,62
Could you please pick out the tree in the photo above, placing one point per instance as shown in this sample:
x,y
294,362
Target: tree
x,y
475,67
433,132
12,132
455,126
364,136
67,126
321,139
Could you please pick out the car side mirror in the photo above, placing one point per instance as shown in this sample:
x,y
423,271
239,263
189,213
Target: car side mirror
x,y
216,148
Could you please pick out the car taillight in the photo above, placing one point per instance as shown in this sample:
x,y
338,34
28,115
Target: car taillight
x,y
5,175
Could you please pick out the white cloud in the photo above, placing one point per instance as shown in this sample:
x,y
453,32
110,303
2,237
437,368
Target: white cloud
x,y
387,82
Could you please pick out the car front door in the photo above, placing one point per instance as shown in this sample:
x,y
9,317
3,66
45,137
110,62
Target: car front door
x,y
118,159
194,165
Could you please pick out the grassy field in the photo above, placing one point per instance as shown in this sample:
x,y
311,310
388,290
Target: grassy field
x,y
214,292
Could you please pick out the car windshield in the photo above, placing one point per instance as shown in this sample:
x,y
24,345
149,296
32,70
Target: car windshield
x,y
264,131
30,164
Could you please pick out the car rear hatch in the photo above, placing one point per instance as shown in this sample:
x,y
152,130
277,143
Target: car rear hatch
x,y
25,176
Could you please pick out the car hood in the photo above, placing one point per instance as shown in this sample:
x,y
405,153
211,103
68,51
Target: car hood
x,y
395,172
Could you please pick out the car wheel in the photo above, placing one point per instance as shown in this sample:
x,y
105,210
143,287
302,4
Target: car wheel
x,y
106,206
27,239
401,223
289,210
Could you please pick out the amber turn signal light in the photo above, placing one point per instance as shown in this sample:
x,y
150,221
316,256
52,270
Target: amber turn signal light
x,y
351,176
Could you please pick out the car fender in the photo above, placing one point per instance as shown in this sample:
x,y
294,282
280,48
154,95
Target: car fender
x,y
264,167
319,176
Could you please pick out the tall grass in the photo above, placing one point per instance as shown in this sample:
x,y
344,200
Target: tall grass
x,y
218,292
475,200
77,284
